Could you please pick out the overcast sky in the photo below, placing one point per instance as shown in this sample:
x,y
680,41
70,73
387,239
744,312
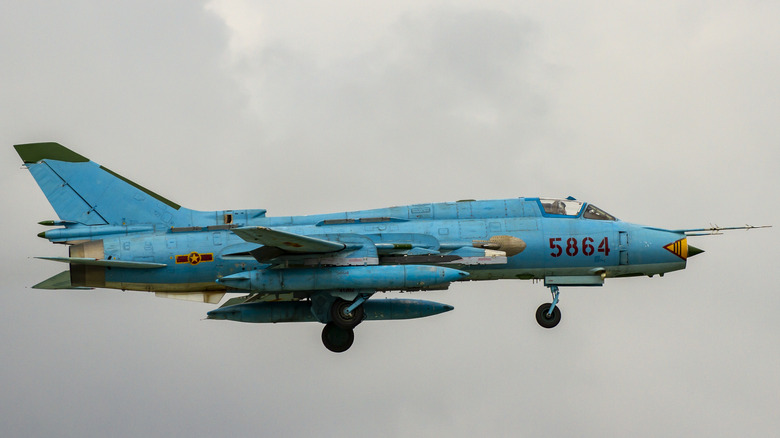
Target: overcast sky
x,y
662,113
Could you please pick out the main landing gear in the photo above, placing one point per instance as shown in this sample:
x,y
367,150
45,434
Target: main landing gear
x,y
548,315
339,333
337,339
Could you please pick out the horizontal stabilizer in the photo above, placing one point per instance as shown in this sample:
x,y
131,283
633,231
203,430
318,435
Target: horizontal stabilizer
x,y
59,281
105,263
288,242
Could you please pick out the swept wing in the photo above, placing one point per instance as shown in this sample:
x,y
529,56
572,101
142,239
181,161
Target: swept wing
x,y
288,242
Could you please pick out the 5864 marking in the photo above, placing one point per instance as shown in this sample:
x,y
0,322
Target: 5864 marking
x,y
574,247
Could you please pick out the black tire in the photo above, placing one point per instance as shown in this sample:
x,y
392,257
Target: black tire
x,y
337,339
548,321
348,321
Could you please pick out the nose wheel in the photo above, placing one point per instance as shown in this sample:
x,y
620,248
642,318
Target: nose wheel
x,y
547,318
548,315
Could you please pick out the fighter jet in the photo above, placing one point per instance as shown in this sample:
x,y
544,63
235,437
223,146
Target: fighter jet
x,y
328,268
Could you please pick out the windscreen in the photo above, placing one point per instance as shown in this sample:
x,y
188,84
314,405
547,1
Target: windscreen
x,y
593,212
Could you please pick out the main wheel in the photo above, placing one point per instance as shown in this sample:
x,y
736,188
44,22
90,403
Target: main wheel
x,y
545,320
349,320
337,339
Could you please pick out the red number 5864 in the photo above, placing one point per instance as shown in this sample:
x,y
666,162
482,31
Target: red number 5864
x,y
573,247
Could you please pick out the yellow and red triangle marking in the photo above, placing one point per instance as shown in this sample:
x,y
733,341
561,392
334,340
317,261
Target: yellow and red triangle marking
x,y
679,248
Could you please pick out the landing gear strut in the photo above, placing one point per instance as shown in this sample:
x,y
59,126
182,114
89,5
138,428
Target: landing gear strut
x,y
548,315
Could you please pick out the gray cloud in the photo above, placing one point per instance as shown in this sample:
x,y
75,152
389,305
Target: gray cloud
x,y
409,101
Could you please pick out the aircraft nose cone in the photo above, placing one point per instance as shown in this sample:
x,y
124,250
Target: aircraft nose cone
x,y
692,251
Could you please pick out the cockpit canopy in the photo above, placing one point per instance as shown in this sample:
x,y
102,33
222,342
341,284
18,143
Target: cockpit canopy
x,y
573,208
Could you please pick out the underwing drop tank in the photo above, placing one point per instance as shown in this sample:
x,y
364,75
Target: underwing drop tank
x,y
395,277
300,311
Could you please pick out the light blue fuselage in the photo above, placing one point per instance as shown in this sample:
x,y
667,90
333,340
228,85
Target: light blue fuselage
x,y
627,249
327,267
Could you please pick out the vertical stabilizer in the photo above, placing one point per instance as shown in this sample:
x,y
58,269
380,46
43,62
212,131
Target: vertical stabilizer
x,y
85,192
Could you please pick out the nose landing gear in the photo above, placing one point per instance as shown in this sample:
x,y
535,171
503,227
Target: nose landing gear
x,y
548,315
